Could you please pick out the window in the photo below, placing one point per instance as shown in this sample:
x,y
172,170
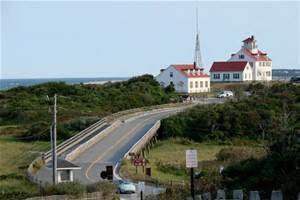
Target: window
x,y
171,74
196,84
268,73
191,84
263,64
201,84
245,76
226,76
241,56
216,76
236,76
206,83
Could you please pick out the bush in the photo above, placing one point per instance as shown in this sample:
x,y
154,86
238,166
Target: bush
x,y
176,192
277,170
68,188
78,105
108,189
171,168
256,117
235,154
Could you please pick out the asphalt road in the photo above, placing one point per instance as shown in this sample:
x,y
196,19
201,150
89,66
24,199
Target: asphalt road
x,y
111,149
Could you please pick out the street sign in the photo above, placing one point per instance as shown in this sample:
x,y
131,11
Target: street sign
x,y
139,162
141,186
103,175
110,172
191,158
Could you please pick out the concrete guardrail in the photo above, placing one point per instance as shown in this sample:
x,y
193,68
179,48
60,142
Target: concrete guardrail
x,y
86,145
142,142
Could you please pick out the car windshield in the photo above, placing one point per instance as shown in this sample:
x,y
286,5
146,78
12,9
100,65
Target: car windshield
x,y
126,182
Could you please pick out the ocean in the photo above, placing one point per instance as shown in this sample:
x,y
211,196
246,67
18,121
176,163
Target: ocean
x,y
11,83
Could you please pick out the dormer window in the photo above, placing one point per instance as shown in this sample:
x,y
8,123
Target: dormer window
x,y
241,56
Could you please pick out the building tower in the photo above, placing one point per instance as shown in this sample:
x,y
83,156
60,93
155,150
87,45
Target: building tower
x,y
250,43
197,57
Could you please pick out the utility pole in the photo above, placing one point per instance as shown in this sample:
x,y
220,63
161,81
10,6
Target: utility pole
x,y
53,132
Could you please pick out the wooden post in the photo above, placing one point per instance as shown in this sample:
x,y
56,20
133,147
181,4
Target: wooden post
x,y
143,153
192,184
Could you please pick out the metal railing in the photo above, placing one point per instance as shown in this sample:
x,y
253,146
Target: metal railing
x,y
69,143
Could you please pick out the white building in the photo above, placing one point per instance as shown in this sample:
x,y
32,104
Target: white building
x,y
260,64
186,78
231,71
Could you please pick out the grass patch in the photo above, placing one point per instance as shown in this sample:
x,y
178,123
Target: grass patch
x,y
15,156
167,160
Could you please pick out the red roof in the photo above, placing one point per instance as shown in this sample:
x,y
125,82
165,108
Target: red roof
x,y
184,67
228,66
249,39
260,56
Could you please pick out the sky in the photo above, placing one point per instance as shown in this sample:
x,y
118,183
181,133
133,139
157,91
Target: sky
x,y
47,39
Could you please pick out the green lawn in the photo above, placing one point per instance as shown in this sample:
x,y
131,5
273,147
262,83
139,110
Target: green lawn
x,y
167,159
15,156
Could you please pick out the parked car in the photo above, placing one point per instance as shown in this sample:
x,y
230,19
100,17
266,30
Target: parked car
x,y
295,79
126,187
225,94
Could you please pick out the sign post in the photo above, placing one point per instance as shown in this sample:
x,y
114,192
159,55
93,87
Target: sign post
x,y
191,162
141,187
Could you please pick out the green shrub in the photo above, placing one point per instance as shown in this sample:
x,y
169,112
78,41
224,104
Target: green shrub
x,y
277,170
78,105
107,188
235,154
171,168
176,192
68,188
256,117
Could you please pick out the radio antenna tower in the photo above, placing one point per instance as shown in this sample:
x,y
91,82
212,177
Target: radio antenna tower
x,y
197,58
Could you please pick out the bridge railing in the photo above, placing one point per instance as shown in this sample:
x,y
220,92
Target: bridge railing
x,y
142,142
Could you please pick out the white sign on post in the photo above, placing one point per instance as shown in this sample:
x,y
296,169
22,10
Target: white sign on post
x,y
191,158
141,186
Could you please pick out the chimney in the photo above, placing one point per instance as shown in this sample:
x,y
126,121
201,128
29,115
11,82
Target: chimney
x,y
195,65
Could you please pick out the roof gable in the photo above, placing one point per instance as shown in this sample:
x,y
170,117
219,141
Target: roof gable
x,y
259,56
249,39
184,68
